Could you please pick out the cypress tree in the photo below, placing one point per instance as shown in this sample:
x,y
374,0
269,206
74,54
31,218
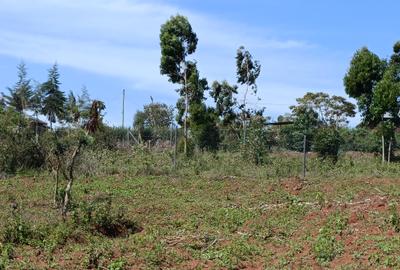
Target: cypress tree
x,y
54,99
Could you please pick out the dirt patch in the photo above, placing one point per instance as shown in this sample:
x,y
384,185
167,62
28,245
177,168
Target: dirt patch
x,y
293,185
360,224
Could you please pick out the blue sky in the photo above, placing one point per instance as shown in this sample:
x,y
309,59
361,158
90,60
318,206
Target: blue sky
x,y
108,45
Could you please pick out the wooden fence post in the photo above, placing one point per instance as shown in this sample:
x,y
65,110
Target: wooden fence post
x,y
304,156
175,147
383,149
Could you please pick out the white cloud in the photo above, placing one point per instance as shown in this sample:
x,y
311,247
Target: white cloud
x,y
136,64
116,38
120,38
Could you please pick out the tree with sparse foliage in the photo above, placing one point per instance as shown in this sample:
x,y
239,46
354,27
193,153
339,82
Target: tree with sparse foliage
x,y
177,41
195,89
54,99
332,110
225,102
258,138
64,148
247,71
37,107
77,107
2,102
21,93
154,121
313,112
72,113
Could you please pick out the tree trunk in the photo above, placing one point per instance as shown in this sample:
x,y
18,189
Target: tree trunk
x,y
36,128
186,116
67,197
56,176
244,106
70,177
244,115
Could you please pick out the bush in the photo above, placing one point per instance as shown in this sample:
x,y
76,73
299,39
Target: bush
x,y
109,137
189,147
394,218
325,247
293,139
17,231
6,254
56,235
118,264
230,139
257,141
18,148
96,255
99,216
203,127
305,122
360,139
327,142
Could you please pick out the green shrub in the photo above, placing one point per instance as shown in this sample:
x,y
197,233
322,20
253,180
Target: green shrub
x,y
337,222
99,216
327,142
203,127
96,255
257,142
189,147
17,231
56,236
394,218
109,137
6,254
118,264
305,122
360,139
18,149
326,248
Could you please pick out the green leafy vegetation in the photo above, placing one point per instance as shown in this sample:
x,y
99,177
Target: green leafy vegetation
x,y
204,185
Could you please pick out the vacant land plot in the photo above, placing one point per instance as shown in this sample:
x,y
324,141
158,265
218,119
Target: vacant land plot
x,y
212,212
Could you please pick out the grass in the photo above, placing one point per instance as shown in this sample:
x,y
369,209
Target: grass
x,y
214,211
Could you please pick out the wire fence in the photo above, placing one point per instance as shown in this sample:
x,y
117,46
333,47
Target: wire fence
x,y
270,139
274,143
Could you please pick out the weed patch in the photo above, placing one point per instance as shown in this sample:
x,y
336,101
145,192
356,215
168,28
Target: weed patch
x,y
99,216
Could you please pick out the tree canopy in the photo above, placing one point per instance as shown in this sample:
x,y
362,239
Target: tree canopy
x,y
177,41
223,94
21,93
332,110
365,71
54,99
